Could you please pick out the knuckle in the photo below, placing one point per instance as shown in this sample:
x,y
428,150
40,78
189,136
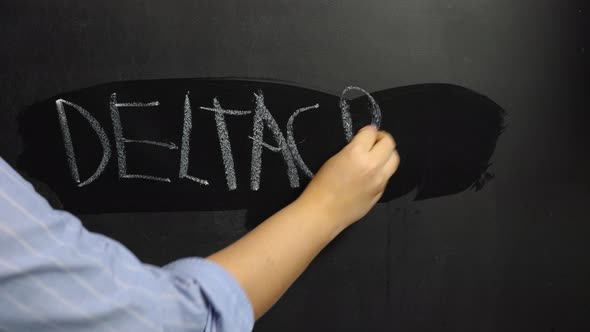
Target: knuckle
x,y
393,167
390,141
356,151
393,142
386,175
382,184
368,166
372,164
396,157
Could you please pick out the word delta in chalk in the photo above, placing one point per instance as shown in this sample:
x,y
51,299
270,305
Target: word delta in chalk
x,y
262,119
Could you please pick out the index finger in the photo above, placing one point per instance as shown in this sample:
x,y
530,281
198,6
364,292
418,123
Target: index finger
x,y
384,147
365,137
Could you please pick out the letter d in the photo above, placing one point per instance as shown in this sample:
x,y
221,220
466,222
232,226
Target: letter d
x,y
71,155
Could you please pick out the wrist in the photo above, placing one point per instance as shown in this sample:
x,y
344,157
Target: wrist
x,y
316,210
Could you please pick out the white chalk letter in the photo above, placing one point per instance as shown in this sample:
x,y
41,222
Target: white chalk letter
x,y
224,142
187,127
261,117
65,130
120,141
345,108
291,140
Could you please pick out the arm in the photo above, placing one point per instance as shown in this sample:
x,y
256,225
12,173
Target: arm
x,y
266,261
56,275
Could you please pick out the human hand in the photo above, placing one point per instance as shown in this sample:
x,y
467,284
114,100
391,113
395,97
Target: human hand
x,y
350,183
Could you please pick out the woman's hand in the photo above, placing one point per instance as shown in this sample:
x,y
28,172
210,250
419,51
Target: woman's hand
x,y
349,184
267,260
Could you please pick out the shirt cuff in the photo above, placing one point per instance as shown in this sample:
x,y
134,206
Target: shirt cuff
x,y
232,308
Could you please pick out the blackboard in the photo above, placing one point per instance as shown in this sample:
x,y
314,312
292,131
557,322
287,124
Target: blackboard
x,y
484,228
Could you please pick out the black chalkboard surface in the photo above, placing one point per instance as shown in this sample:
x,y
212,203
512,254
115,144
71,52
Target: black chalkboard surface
x,y
445,134
175,127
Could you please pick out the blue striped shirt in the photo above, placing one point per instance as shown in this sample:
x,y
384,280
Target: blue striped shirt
x,y
57,276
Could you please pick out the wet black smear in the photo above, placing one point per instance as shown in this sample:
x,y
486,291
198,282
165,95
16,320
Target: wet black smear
x,y
445,134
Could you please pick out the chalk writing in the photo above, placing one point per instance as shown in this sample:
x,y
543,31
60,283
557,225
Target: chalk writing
x,y
71,155
291,140
185,147
120,140
345,108
281,136
170,145
224,142
262,119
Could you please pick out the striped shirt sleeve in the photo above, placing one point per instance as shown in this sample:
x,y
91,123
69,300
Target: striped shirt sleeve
x,y
57,276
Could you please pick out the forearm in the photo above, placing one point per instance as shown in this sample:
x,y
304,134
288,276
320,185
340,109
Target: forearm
x,y
266,261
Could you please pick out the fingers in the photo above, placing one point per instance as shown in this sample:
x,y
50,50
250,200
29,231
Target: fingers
x,y
376,198
385,151
384,146
365,138
383,135
391,164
